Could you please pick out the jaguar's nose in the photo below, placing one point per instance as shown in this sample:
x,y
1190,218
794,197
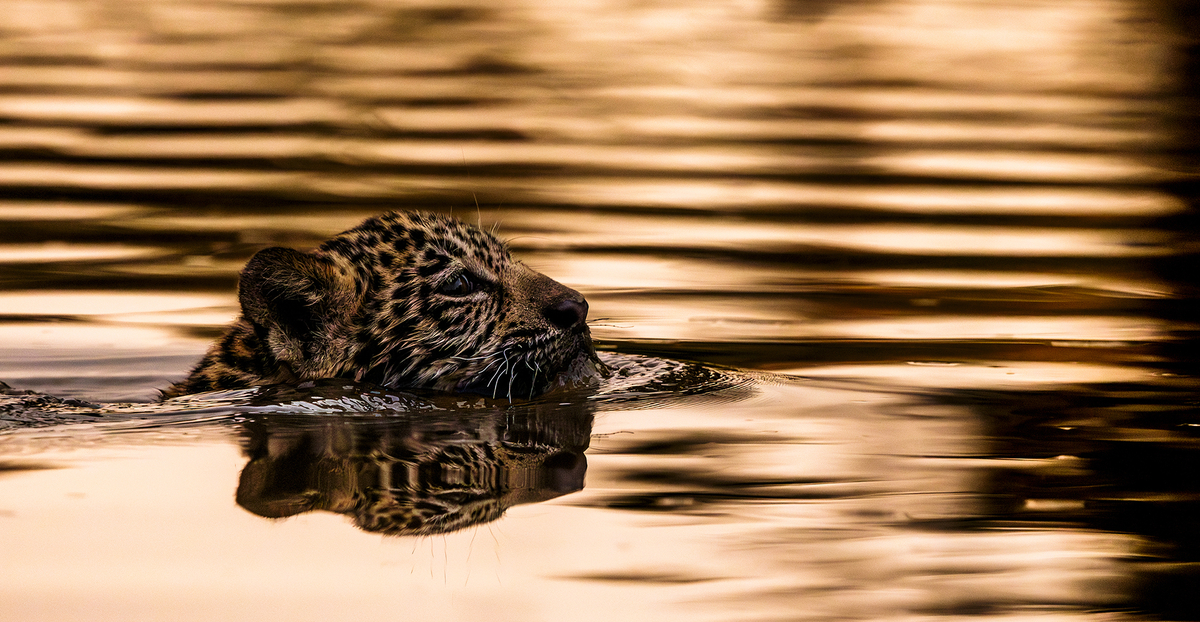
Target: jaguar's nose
x,y
567,313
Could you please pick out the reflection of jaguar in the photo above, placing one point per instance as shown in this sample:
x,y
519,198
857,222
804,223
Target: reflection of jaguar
x,y
404,300
434,473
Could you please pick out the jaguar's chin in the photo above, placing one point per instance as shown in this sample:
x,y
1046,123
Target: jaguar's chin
x,y
583,370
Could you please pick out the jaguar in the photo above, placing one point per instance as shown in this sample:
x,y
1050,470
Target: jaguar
x,y
405,300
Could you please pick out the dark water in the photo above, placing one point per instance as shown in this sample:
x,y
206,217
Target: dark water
x,y
958,235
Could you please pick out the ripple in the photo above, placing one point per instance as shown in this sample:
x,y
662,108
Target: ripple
x,y
57,252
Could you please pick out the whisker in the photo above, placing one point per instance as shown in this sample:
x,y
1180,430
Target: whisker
x,y
488,366
533,383
500,370
478,211
511,376
604,321
473,358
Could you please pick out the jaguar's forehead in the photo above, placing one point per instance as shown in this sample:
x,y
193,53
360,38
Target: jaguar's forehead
x,y
392,237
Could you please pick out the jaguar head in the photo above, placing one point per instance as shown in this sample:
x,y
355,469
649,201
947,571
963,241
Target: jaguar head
x,y
418,300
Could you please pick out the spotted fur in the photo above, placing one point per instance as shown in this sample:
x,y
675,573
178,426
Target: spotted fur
x,y
404,300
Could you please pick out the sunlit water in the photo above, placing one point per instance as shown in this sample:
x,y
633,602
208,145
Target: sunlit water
x,y
948,245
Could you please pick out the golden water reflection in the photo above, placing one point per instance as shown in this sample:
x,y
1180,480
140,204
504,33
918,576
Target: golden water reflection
x,y
954,230
432,476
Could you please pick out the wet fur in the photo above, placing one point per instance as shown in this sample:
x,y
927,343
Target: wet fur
x,y
371,305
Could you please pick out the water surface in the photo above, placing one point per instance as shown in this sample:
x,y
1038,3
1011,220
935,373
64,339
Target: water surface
x,y
951,242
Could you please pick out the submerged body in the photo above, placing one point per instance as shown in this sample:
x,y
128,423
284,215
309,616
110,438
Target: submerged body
x,y
404,300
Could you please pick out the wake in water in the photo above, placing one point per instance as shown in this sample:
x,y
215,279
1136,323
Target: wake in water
x,y
633,381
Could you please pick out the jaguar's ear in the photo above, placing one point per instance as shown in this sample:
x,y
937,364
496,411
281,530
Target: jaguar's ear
x,y
296,292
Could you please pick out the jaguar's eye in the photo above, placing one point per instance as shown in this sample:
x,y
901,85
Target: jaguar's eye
x,y
460,286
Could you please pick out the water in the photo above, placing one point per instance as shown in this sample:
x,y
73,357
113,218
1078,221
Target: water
x,y
949,243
